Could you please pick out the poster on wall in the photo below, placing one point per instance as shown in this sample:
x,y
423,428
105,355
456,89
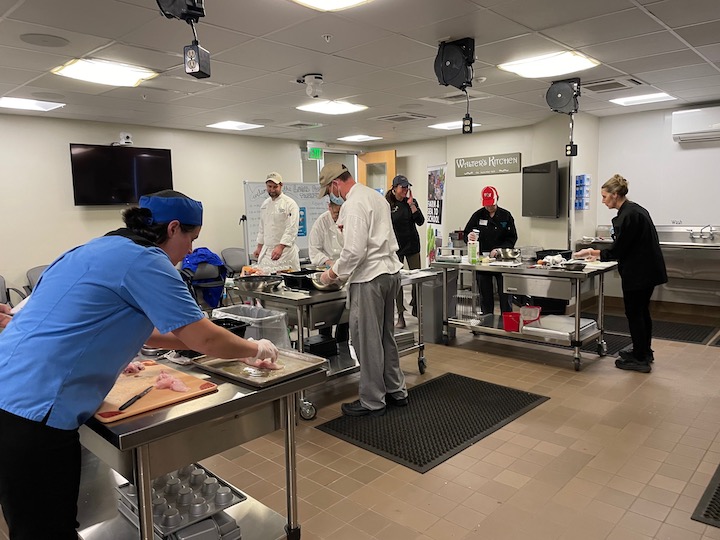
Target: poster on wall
x,y
436,194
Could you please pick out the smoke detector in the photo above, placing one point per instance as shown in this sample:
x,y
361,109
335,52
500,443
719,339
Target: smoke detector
x,y
313,82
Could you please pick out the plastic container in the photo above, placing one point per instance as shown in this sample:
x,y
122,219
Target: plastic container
x,y
263,323
473,249
530,314
512,321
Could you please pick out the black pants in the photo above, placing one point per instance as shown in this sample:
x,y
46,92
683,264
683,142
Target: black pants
x,y
342,331
487,295
413,262
39,479
637,311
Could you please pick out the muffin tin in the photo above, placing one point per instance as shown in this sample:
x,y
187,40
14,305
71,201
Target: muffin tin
x,y
182,498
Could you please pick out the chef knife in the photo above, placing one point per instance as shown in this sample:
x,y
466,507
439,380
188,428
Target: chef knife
x,y
135,398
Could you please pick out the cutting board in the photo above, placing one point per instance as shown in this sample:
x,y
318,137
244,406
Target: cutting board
x,y
128,386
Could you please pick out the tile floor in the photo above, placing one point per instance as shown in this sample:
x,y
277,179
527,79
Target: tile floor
x,y
612,455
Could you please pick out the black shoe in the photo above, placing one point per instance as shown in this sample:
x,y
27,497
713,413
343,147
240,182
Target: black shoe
x,y
395,402
633,365
628,354
356,409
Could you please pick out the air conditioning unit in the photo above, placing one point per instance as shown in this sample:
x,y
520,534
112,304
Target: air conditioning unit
x,y
694,125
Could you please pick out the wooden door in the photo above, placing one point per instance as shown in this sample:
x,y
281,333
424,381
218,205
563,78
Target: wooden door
x,y
377,169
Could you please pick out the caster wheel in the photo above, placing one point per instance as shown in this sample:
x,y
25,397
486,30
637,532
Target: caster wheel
x,y
446,340
602,349
577,364
421,366
308,412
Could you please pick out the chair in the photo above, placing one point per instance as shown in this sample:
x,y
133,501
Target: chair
x,y
33,276
5,293
234,259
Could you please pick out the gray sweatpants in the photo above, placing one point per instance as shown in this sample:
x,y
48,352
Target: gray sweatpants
x,y
372,313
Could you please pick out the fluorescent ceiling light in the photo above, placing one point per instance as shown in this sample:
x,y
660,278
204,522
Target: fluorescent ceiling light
x,y
452,125
641,100
330,5
359,138
29,104
237,126
324,106
104,72
550,65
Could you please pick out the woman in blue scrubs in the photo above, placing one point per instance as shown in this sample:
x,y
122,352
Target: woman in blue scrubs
x,y
90,313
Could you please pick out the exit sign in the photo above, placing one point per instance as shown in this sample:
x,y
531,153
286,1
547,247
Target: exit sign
x,y
315,153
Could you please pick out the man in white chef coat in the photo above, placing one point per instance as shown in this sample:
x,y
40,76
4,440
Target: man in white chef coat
x,y
279,221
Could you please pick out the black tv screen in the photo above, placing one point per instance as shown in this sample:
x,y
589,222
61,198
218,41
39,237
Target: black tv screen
x,y
105,175
541,190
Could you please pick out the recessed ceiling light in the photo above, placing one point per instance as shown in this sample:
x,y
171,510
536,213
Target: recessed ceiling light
x,y
359,138
29,104
330,5
641,100
104,72
324,106
550,65
237,126
452,125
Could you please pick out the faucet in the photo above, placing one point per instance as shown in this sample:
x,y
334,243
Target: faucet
x,y
711,235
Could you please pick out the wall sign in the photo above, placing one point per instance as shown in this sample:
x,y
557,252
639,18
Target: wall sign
x,y
492,164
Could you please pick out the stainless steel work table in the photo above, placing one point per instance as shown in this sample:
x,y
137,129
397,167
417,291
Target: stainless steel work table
x,y
306,305
146,446
493,325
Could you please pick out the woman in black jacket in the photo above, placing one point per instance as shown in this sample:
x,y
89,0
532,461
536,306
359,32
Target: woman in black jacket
x,y
641,265
406,217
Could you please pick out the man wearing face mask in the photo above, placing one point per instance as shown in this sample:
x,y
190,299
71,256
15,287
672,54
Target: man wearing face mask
x,y
368,261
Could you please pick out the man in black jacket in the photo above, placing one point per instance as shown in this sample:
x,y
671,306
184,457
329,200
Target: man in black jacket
x,y
406,218
496,229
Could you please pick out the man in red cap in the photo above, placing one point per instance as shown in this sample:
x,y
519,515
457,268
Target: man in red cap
x,y
496,229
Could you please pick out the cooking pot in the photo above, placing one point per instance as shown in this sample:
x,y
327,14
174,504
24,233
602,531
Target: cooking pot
x,y
508,253
258,283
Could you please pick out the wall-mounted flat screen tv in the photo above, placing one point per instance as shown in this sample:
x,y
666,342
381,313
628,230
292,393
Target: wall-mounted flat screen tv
x,y
119,174
541,190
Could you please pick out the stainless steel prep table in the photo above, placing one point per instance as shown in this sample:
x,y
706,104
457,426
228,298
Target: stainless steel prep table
x,y
549,278
315,309
146,446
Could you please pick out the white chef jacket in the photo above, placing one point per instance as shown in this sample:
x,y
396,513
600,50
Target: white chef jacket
x,y
279,221
369,243
325,241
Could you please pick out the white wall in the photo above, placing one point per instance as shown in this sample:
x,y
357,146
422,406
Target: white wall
x,y
39,216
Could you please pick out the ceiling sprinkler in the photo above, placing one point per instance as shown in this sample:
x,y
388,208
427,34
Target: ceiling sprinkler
x,y
313,82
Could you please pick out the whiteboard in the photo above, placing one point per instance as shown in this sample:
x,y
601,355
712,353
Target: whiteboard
x,y
305,195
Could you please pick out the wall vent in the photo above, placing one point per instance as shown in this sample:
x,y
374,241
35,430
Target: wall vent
x,y
402,117
611,85
456,97
301,125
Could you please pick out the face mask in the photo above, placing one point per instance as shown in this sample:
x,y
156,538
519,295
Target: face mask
x,y
335,199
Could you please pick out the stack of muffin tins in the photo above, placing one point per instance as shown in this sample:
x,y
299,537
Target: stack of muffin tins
x,y
187,503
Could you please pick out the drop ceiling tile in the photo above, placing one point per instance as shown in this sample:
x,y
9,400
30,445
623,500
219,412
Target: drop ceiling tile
x,y
381,80
223,73
235,94
515,87
517,48
677,13
57,83
95,17
256,17
711,52
274,83
674,86
344,34
657,61
635,47
677,74
151,95
171,35
11,57
136,56
19,76
711,93
425,89
701,34
391,51
180,82
623,24
422,68
333,68
78,44
541,14
265,55
482,25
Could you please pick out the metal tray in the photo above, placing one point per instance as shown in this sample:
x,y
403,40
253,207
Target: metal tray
x,y
294,364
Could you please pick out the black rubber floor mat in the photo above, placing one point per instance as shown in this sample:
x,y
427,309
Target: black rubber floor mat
x,y
708,509
615,343
444,416
671,331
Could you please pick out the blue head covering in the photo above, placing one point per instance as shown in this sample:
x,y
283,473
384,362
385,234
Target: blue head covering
x,y
166,209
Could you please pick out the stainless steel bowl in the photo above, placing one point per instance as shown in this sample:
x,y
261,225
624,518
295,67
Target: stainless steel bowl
x,y
321,286
508,253
258,283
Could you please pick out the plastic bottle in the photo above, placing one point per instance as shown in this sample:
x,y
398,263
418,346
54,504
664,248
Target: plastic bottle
x,y
473,247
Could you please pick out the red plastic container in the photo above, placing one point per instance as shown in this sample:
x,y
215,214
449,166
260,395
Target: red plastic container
x,y
512,321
